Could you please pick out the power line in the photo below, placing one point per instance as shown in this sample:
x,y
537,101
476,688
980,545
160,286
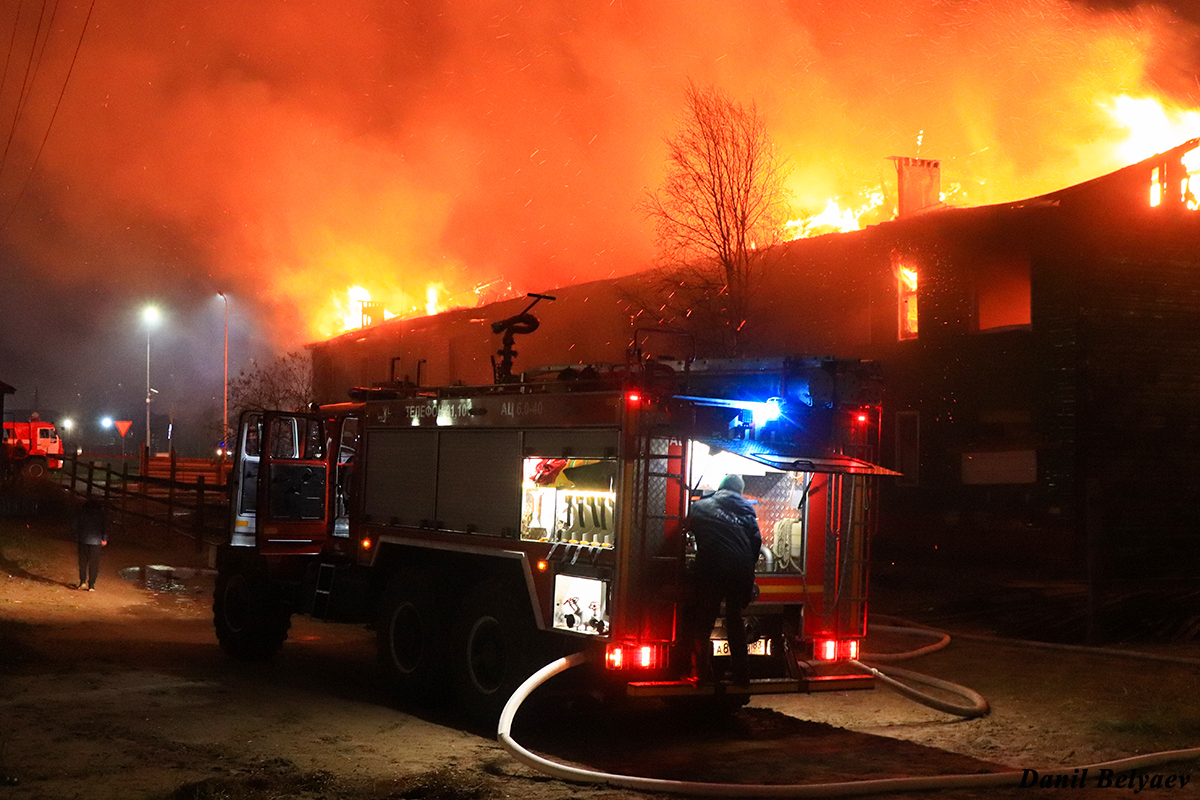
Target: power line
x,y
26,86
53,115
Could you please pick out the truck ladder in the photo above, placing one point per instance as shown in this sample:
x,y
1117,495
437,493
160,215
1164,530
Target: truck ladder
x,y
323,591
659,514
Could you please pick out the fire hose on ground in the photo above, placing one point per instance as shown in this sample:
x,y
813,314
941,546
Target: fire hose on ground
x,y
978,707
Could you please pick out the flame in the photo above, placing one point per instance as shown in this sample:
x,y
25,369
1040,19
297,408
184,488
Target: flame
x,y
344,309
431,299
353,317
834,219
1151,126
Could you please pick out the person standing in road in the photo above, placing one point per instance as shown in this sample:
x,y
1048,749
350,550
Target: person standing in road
x,y
727,546
91,535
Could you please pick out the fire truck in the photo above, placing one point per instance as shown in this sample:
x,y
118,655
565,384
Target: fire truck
x,y
32,445
484,531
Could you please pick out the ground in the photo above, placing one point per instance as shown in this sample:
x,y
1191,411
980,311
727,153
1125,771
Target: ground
x,y
123,693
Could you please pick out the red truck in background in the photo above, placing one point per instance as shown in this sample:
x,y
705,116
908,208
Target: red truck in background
x,y
31,446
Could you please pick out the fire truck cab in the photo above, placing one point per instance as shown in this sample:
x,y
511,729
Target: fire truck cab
x,y
32,445
483,531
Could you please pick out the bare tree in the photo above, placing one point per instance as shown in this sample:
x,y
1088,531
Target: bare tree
x,y
284,384
721,209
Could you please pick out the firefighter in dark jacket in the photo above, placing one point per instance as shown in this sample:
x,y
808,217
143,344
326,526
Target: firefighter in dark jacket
x,y
91,535
727,546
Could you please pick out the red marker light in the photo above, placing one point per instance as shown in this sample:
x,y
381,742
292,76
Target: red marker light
x,y
633,397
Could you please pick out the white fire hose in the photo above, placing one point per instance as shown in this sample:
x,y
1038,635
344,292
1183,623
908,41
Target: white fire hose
x,y
829,789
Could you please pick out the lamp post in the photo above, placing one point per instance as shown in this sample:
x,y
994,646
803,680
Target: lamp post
x,y
150,317
225,385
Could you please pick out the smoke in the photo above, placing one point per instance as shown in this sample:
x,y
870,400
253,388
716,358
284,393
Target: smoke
x,y
283,151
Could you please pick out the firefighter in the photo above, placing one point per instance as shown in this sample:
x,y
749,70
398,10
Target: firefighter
x,y
727,546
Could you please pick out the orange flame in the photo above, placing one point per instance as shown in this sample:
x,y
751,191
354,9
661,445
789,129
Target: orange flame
x,y
1151,126
833,219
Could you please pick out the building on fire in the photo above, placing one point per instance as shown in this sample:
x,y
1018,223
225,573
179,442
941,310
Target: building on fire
x,y
1042,362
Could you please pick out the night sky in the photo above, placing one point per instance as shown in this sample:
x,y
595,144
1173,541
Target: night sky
x,y
162,151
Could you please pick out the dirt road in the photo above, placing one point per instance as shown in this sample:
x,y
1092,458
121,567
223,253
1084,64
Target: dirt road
x,y
123,693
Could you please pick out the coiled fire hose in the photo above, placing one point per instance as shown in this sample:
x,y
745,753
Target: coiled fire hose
x,y
827,789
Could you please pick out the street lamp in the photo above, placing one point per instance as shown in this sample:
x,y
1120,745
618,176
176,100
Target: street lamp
x,y
225,392
150,316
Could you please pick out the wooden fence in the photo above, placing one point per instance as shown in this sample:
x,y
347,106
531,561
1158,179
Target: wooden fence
x,y
187,495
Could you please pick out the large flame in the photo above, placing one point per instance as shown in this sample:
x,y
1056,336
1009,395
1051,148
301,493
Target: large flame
x,y
506,145
834,218
1152,126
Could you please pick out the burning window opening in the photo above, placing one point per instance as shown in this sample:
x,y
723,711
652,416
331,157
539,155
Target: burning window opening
x,y
1191,169
906,293
1186,171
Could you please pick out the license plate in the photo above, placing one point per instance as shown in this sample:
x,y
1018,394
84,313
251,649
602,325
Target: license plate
x,y
762,647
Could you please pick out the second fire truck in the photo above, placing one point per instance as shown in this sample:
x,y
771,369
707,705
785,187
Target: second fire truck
x,y
31,446
483,531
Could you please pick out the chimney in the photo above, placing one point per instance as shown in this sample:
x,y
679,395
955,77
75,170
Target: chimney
x,y
372,312
918,184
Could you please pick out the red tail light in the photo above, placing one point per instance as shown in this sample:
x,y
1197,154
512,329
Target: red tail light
x,y
834,649
631,655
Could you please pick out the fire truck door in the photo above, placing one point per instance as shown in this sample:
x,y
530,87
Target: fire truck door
x,y
292,484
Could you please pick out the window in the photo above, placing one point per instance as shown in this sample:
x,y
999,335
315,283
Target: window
x,y
297,484
1002,295
1190,183
906,294
1187,172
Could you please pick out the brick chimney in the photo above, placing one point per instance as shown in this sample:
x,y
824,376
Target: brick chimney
x,y
918,183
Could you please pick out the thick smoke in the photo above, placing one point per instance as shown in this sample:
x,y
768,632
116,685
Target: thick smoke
x,y
283,151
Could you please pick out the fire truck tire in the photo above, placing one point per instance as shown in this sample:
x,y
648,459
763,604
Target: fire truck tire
x,y
495,648
35,467
250,620
412,633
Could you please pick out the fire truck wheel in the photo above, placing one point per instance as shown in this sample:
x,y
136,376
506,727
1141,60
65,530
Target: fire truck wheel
x,y
413,637
495,647
35,467
251,623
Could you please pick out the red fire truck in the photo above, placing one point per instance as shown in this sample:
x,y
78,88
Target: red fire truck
x,y
32,445
483,531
